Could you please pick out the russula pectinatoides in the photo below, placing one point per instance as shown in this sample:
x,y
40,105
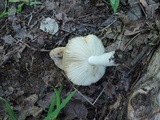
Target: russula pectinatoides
x,y
84,59
57,55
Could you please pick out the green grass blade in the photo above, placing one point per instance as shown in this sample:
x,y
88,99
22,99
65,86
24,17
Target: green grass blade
x,y
2,99
20,6
9,109
6,13
54,114
113,1
53,103
114,5
58,101
14,1
27,3
67,99
34,3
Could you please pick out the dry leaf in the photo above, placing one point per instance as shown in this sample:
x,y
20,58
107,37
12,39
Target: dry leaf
x,y
75,110
8,39
49,25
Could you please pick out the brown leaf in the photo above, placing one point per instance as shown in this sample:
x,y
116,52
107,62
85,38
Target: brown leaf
x,y
8,39
75,109
44,103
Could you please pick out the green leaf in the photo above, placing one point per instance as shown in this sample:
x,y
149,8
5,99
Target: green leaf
x,y
3,14
14,1
5,10
57,98
54,114
53,103
20,6
27,3
114,5
113,1
34,3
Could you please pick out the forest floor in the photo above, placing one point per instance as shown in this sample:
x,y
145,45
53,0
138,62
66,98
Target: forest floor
x,y
28,74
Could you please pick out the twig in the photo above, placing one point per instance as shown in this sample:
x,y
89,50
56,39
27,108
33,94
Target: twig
x,y
26,44
151,114
99,95
77,90
120,41
131,40
104,110
143,10
82,94
60,41
108,26
81,17
30,19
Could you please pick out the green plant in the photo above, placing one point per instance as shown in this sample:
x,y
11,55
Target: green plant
x,y
54,109
9,109
19,7
57,105
114,4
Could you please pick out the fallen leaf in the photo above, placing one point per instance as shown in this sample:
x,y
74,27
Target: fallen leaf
x,y
8,39
34,111
150,9
32,99
110,90
40,41
29,108
45,102
134,28
50,5
135,12
75,109
59,16
12,15
49,25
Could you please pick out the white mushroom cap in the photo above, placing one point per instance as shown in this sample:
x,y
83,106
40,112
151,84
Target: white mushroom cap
x,y
57,55
75,60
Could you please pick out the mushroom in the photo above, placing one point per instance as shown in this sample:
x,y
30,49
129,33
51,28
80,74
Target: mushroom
x,y
84,60
57,55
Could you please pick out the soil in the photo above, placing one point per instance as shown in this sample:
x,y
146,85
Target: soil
x,y
28,74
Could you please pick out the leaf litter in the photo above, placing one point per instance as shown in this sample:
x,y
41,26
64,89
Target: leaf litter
x,y
26,72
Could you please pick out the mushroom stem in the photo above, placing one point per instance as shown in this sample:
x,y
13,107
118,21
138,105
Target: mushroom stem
x,y
106,59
